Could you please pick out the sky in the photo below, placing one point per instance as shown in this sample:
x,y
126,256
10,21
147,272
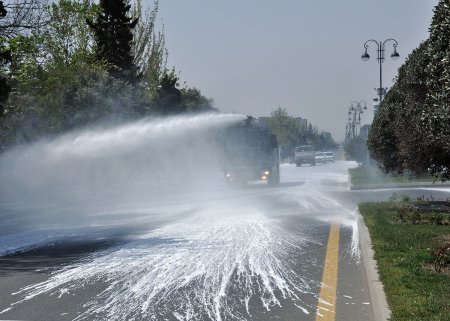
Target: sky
x,y
252,56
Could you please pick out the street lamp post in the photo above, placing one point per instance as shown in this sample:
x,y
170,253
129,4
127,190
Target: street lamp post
x,y
380,58
354,117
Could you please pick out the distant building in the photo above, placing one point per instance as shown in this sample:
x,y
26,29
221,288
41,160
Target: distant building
x,y
364,131
302,123
263,121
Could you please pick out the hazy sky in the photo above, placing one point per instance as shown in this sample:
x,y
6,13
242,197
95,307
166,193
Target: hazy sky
x,y
254,56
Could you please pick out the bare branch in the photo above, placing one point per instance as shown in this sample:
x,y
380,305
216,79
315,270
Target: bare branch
x,y
21,17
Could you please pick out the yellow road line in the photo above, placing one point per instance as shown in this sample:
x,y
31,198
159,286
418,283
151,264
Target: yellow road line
x,y
326,309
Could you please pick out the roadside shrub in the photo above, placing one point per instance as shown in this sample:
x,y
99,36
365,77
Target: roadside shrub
x,y
405,198
419,211
403,207
416,216
436,218
394,197
441,257
400,198
403,211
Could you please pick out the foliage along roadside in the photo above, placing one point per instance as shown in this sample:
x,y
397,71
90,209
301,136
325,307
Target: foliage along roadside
x,y
411,131
54,78
290,134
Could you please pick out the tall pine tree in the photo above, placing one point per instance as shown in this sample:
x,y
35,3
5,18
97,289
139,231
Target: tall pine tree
x,y
113,35
5,58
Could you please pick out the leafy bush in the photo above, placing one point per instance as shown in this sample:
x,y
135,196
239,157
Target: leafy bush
x,y
416,216
441,256
436,218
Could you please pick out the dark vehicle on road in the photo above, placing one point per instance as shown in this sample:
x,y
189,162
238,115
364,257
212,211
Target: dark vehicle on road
x,y
305,155
250,152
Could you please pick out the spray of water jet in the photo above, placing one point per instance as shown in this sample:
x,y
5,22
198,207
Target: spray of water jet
x,y
199,251
71,181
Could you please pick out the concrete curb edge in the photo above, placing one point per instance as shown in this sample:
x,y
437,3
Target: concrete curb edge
x,y
378,299
395,186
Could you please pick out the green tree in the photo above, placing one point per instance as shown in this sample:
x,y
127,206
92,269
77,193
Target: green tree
x,y
68,73
168,100
413,90
285,128
113,33
59,83
149,47
45,64
411,131
322,142
289,134
194,102
436,116
5,88
16,16
383,139
356,147
67,39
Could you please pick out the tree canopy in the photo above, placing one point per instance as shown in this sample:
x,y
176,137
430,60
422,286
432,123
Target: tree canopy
x,y
67,73
290,133
411,131
113,33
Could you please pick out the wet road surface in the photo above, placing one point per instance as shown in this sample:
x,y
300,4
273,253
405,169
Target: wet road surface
x,y
245,253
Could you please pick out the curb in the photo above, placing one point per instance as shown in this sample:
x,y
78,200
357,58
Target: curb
x,y
381,310
395,186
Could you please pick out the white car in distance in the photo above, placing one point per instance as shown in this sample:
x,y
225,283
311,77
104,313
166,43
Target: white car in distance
x,y
320,157
329,157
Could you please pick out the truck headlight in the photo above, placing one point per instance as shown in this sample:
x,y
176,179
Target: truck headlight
x,y
266,172
228,175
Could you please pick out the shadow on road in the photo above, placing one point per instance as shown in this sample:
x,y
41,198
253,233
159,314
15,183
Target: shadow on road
x,y
51,255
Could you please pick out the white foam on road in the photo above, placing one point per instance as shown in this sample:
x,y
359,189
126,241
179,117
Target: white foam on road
x,y
315,197
211,266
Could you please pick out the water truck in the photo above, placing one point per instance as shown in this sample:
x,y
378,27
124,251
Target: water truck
x,y
250,152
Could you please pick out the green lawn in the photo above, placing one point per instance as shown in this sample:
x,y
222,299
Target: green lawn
x,y
402,251
371,175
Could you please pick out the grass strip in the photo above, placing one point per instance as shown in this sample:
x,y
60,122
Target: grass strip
x,y
371,175
414,290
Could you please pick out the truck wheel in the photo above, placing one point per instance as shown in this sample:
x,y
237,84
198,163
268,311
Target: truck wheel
x,y
277,177
298,164
313,163
273,181
274,178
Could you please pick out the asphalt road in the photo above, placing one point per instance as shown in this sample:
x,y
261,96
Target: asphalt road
x,y
203,252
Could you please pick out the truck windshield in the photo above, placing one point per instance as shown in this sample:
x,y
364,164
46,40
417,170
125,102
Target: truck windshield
x,y
304,149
